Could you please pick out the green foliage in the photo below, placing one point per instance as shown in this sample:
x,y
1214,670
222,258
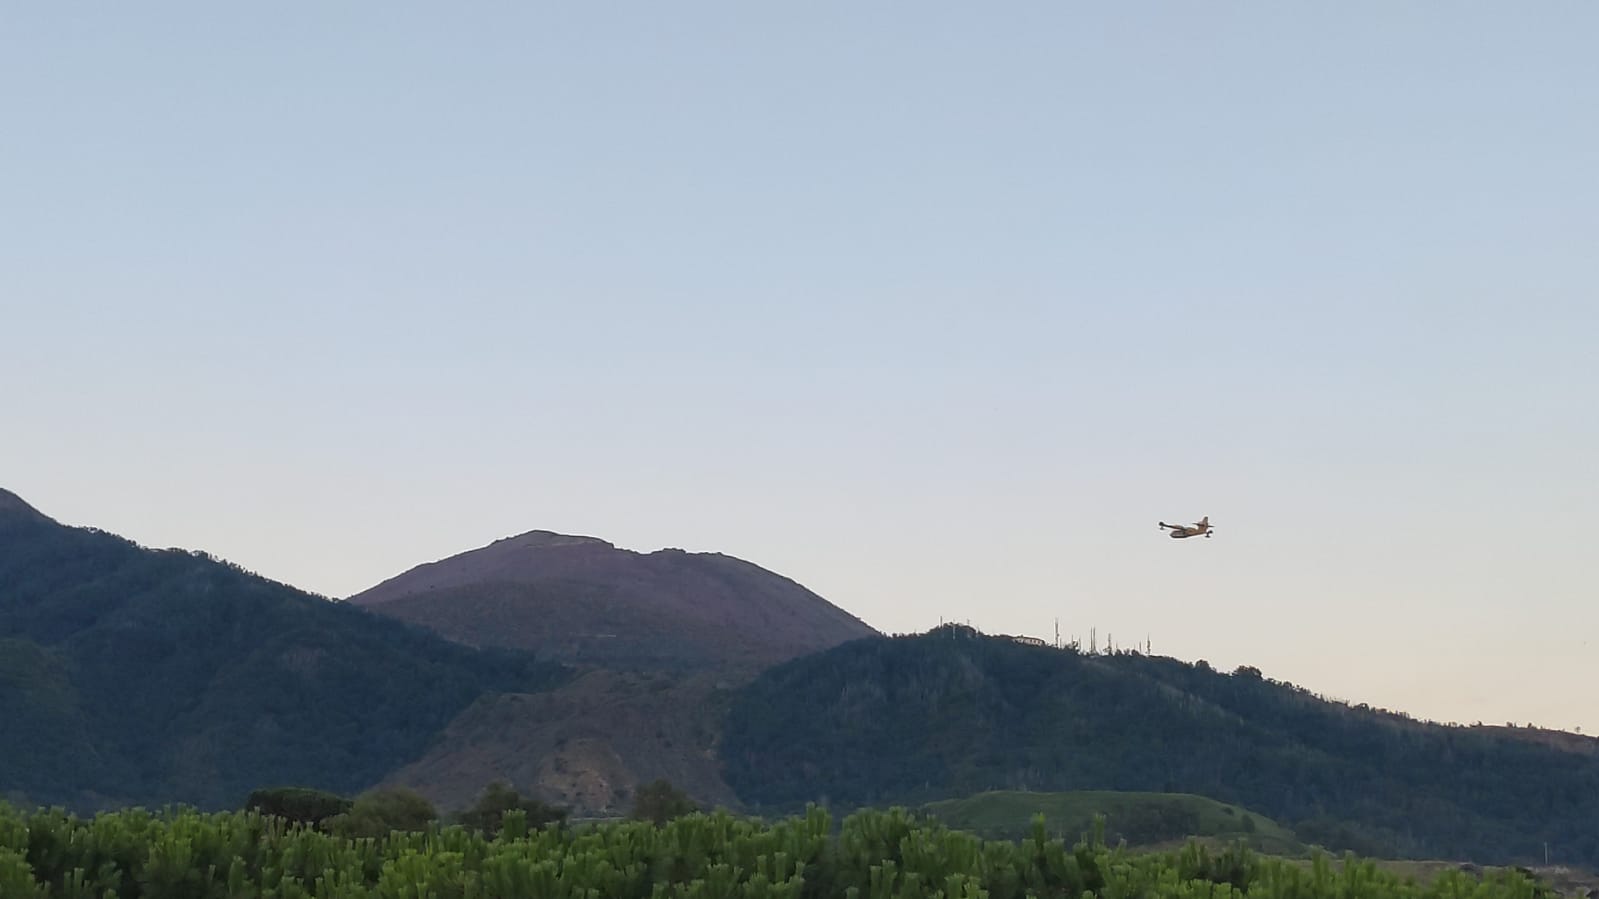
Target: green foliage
x,y
873,855
1137,818
300,805
489,814
16,877
137,675
953,713
659,802
378,813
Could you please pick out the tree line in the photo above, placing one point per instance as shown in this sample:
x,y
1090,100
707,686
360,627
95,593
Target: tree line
x,y
874,854
379,812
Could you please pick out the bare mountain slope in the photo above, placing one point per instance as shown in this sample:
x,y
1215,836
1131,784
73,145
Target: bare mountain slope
x,y
586,745
581,599
670,634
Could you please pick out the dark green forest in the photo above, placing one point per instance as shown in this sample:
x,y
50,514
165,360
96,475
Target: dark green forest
x,y
953,712
131,675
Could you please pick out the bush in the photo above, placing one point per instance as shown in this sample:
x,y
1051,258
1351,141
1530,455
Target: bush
x,y
300,805
487,815
660,802
377,813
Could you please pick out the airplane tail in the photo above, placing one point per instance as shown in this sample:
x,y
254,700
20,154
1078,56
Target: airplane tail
x,y
1204,522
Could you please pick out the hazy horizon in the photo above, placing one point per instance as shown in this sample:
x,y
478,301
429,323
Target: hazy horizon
x,y
935,311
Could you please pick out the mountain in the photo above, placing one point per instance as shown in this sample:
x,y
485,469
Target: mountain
x,y
14,510
583,600
663,637
953,712
134,675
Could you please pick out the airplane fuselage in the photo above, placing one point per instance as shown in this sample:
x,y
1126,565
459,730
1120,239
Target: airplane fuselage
x,y
1179,531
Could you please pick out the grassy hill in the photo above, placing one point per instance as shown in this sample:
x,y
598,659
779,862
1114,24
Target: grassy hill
x,y
132,675
1139,818
952,713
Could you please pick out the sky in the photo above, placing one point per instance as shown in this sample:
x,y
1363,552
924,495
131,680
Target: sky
x,y
936,308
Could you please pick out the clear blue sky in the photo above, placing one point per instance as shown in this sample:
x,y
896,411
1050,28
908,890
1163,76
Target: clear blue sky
x,y
936,308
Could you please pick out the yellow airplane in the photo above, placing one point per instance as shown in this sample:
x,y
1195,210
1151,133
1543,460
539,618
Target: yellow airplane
x,y
1202,526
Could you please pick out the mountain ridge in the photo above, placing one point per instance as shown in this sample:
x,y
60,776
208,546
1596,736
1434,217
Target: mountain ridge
x,y
953,713
154,676
662,638
584,600
130,674
15,507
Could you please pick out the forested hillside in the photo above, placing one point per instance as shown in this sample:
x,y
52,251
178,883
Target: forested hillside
x,y
154,676
953,713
